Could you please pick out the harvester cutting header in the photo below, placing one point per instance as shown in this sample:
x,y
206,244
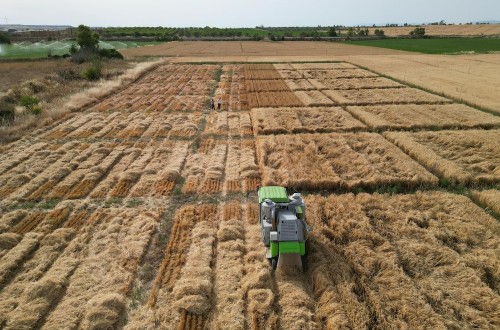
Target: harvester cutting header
x,y
284,228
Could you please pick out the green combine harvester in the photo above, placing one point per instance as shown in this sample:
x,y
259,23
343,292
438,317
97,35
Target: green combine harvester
x,y
284,229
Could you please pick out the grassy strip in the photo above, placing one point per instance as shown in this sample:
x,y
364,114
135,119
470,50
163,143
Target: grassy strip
x,y
436,46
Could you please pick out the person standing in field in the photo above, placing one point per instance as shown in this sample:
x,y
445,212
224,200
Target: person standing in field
x,y
219,103
212,104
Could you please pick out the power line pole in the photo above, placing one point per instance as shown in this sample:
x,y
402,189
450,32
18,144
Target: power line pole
x,y
6,22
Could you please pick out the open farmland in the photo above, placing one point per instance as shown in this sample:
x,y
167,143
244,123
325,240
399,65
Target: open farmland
x,y
139,212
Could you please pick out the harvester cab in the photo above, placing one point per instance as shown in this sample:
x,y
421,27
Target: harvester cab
x,y
284,229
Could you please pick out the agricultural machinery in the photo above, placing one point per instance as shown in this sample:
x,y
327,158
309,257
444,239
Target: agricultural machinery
x,y
284,229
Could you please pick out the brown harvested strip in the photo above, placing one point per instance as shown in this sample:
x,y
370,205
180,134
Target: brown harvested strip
x,y
174,255
233,185
194,289
59,192
7,190
211,186
28,297
206,145
257,283
42,191
29,223
190,321
251,184
122,188
83,189
163,187
297,305
14,258
54,219
77,219
191,185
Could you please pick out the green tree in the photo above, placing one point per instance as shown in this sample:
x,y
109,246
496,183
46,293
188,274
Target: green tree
x,y
332,32
85,38
351,32
418,32
4,38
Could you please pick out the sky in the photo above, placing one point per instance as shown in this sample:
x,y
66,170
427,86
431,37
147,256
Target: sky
x,y
244,13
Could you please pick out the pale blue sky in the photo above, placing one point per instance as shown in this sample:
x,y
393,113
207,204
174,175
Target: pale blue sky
x,y
244,13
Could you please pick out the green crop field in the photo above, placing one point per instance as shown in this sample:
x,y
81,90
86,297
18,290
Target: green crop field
x,y
436,46
26,50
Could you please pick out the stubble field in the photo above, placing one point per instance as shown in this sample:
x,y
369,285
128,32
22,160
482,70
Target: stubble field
x,y
139,212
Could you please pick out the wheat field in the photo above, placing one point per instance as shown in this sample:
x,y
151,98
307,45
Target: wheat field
x,y
139,211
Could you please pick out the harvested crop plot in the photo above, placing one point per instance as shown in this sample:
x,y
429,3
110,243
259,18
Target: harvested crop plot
x,y
126,125
229,166
380,261
76,170
336,161
273,99
299,85
489,198
171,87
313,98
266,85
409,116
303,120
213,274
229,123
458,156
354,83
384,96
335,74
56,283
322,66
242,172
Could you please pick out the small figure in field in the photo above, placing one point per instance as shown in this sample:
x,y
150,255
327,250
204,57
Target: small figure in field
x,y
212,104
219,103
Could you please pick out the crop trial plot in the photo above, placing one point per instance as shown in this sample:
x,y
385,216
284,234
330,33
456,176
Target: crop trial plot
x,y
458,156
126,125
313,98
273,99
408,254
229,123
70,266
354,83
410,116
221,161
335,74
76,170
322,66
384,96
336,161
303,120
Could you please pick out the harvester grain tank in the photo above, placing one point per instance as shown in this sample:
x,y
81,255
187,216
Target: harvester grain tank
x,y
284,229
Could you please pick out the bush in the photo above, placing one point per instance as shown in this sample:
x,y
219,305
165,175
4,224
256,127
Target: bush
x,y
419,32
69,74
94,72
4,38
110,53
30,103
379,33
7,111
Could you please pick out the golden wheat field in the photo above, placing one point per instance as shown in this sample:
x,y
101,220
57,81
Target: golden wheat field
x,y
140,212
